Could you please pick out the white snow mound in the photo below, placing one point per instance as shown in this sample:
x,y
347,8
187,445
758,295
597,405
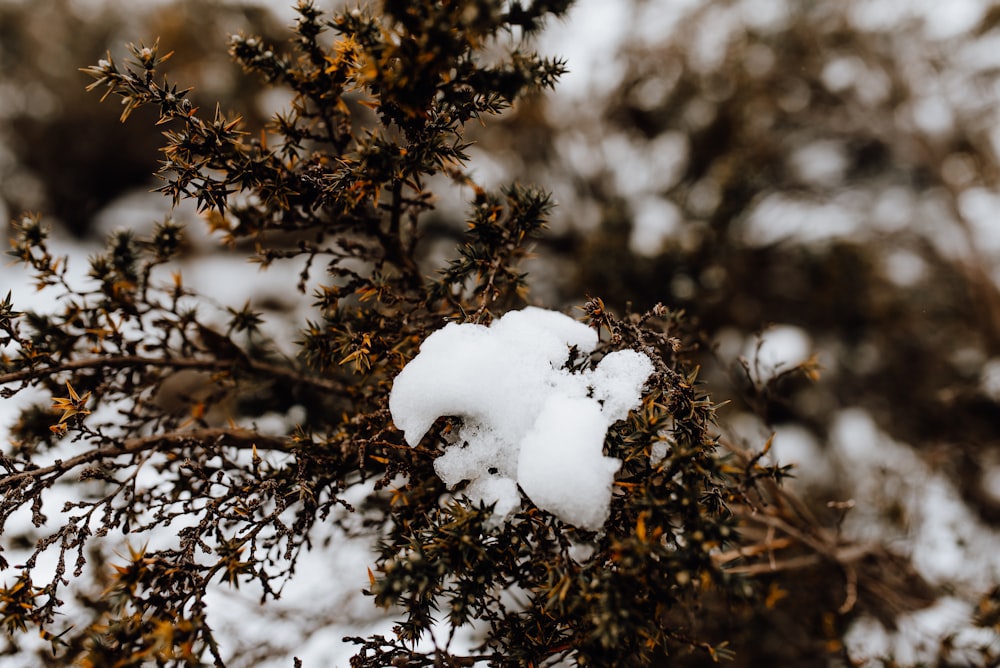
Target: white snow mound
x,y
526,420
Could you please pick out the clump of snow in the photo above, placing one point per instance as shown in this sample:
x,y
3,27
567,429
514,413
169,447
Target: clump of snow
x,y
526,419
562,468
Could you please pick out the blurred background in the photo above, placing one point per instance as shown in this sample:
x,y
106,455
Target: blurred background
x,y
815,183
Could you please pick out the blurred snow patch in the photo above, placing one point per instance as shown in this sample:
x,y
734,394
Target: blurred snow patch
x,y
989,379
950,19
950,544
779,217
933,218
646,167
765,14
796,445
315,611
942,20
877,15
728,343
655,221
791,444
777,349
893,209
903,267
708,45
933,115
979,207
652,21
138,210
746,429
487,167
918,636
902,502
273,100
592,30
659,452
821,163
851,73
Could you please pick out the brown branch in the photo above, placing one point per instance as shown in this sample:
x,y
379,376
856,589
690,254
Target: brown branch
x,y
821,543
179,363
824,546
767,546
241,438
842,556
392,242
784,508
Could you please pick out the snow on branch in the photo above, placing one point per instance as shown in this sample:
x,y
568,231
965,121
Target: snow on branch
x,y
528,419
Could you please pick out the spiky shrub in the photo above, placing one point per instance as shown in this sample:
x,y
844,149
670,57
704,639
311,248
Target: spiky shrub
x,y
339,183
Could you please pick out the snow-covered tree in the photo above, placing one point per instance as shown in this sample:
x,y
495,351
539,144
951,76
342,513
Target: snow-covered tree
x,y
485,415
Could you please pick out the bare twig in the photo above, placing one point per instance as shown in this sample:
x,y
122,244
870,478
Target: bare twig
x,y
241,438
124,361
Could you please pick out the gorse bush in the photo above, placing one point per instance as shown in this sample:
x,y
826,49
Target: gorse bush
x,y
340,182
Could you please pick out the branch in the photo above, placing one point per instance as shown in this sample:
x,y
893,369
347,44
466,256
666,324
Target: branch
x,y
180,363
841,556
242,438
393,242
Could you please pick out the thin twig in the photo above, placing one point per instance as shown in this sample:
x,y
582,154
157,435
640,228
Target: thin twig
x,y
119,361
242,438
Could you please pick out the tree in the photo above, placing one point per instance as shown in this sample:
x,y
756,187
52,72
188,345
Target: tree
x,y
338,181
151,427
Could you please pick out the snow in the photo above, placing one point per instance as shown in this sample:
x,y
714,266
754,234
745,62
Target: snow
x,y
603,24
903,267
794,444
562,468
901,502
526,419
916,639
821,163
780,217
978,207
776,350
949,546
989,379
644,167
656,221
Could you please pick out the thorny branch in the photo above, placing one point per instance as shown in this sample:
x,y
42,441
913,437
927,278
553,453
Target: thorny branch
x,y
238,438
115,362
